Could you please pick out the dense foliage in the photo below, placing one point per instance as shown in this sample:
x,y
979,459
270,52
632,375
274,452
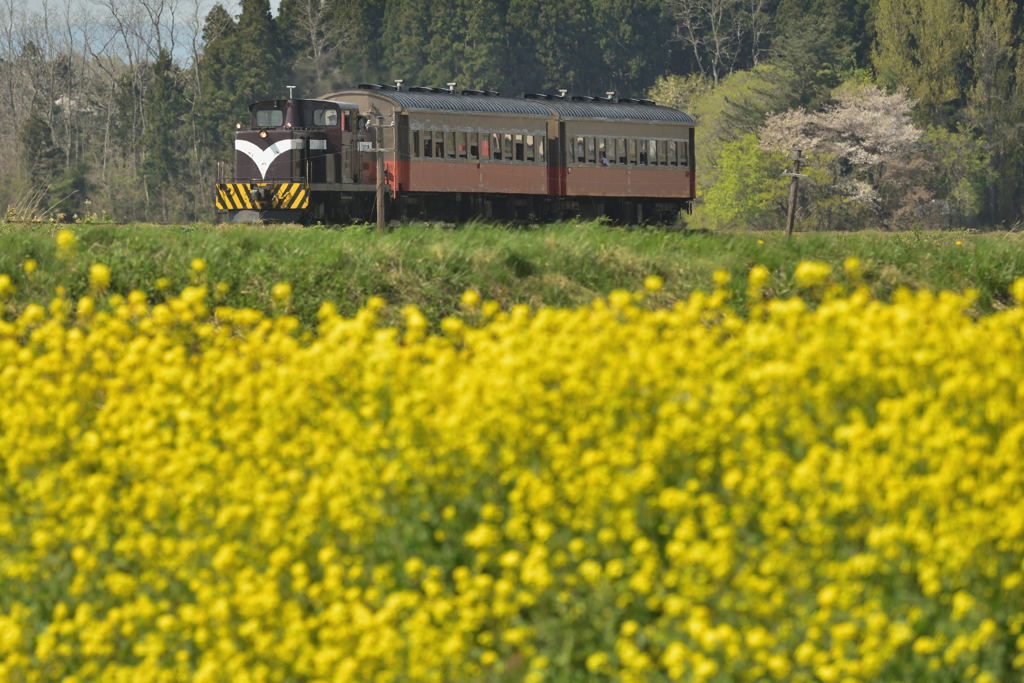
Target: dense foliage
x,y
129,105
826,488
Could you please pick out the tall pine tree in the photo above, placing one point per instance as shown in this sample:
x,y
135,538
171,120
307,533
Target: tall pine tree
x,y
924,45
164,155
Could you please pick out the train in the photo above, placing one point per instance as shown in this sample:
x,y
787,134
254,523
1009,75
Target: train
x,y
456,155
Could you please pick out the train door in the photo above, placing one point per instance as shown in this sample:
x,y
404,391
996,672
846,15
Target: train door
x,y
556,159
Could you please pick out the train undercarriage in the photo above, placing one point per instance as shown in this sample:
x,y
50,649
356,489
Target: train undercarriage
x,y
267,204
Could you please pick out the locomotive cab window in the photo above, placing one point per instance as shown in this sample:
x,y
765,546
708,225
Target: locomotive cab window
x,y
325,117
269,118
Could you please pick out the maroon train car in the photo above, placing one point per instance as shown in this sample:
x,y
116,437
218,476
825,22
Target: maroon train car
x,y
457,155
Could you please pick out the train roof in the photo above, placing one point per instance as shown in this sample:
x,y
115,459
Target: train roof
x,y
531,104
284,101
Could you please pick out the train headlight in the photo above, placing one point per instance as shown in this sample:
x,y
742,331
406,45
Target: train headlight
x,y
288,124
238,126
263,133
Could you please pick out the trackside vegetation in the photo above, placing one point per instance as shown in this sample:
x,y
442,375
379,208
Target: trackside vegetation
x,y
565,264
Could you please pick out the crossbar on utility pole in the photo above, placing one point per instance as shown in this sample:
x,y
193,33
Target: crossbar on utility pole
x,y
794,179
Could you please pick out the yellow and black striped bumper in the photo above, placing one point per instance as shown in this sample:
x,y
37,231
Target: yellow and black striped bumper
x,y
259,196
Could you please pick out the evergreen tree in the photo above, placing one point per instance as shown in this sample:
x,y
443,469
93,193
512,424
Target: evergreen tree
x,y
41,160
632,35
554,45
814,45
164,158
260,72
406,33
466,44
361,56
995,106
924,46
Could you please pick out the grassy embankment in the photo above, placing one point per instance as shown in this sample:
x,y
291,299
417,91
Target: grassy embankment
x,y
565,264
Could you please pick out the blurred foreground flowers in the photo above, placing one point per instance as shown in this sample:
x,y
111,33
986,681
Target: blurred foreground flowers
x,y
809,492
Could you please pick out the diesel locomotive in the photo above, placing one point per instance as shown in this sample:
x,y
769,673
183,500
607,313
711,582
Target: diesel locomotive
x,y
458,154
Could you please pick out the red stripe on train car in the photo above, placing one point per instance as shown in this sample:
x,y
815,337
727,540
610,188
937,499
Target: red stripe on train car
x,y
629,181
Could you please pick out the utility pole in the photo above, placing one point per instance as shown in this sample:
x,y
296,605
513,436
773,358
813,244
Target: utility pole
x,y
380,173
377,147
794,179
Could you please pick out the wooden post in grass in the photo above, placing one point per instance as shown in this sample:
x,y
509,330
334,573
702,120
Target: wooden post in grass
x,y
794,177
380,174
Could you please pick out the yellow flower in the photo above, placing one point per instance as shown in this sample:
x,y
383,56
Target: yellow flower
x,y
652,283
65,239
6,286
810,274
281,292
99,277
29,266
470,298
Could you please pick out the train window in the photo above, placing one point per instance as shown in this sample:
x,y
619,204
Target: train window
x,y
581,150
269,118
438,144
506,146
684,153
485,146
602,151
496,146
449,144
325,117
631,151
642,149
531,148
663,152
673,159
620,149
540,148
414,145
428,144
520,151
652,152
474,145
591,151
460,144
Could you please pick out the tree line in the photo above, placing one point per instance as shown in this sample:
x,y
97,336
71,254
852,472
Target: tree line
x,y
909,111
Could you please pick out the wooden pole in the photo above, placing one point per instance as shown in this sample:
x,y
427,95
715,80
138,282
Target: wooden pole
x,y
380,176
794,179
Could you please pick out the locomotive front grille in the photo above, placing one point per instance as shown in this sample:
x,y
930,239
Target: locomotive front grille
x,y
261,196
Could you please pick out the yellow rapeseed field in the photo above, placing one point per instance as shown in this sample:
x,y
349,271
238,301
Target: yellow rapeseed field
x,y
826,488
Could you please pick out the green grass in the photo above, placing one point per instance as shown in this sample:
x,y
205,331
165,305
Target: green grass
x,y
564,264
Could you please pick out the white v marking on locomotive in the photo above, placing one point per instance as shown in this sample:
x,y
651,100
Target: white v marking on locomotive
x,y
263,158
